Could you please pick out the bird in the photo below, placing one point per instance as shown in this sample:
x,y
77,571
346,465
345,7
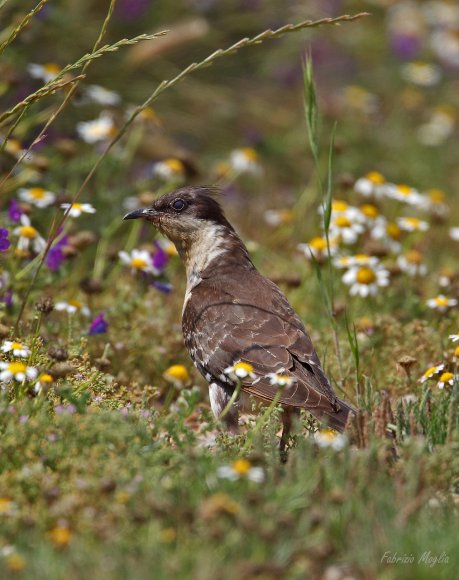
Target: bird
x,y
233,318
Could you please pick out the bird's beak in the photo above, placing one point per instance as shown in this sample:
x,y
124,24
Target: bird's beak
x,y
138,213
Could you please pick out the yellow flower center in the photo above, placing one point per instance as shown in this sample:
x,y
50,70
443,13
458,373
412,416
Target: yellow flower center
x,y
436,195
456,352
414,257
369,210
45,378
404,189
241,466
318,244
366,276
16,367
339,205
139,263
393,231
75,303
249,153
76,206
52,68
375,177
15,562
243,366
5,505
343,222
28,232
362,257
13,146
178,373
37,192
175,165
445,377
441,301
429,372
328,434
17,346
60,536
149,115
412,221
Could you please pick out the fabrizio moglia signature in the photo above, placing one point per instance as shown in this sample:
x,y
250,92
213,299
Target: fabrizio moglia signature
x,y
427,558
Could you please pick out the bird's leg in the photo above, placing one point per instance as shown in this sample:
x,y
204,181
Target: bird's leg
x,y
219,397
287,416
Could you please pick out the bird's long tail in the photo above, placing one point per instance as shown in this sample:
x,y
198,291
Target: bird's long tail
x,y
337,420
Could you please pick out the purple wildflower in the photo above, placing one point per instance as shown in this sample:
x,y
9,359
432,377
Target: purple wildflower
x,y
56,256
65,409
131,9
99,325
405,46
4,241
7,298
14,211
159,258
162,286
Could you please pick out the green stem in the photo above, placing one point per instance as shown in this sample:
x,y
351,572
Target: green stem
x,y
231,401
262,420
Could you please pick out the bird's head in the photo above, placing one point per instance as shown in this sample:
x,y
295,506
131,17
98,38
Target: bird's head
x,y
184,214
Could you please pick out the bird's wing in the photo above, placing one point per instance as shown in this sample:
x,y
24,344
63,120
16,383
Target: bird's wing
x,y
225,325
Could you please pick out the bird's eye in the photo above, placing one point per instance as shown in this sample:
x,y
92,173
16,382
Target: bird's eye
x,y
178,205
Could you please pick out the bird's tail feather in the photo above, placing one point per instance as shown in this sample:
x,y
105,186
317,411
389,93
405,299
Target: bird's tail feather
x,y
338,420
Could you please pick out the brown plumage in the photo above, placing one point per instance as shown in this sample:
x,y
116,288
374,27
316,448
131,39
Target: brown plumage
x,y
232,313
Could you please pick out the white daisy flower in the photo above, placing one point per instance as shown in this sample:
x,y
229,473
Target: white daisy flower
x,y
389,233
241,469
17,371
240,370
439,127
430,372
330,438
357,260
441,303
37,196
345,228
29,236
404,193
434,202
454,234
245,160
370,212
412,224
138,260
370,184
280,379
16,348
411,263
45,72
340,208
169,170
43,383
102,96
98,130
76,209
318,248
454,337
422,74
366,280
446,379
72,306
277,217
